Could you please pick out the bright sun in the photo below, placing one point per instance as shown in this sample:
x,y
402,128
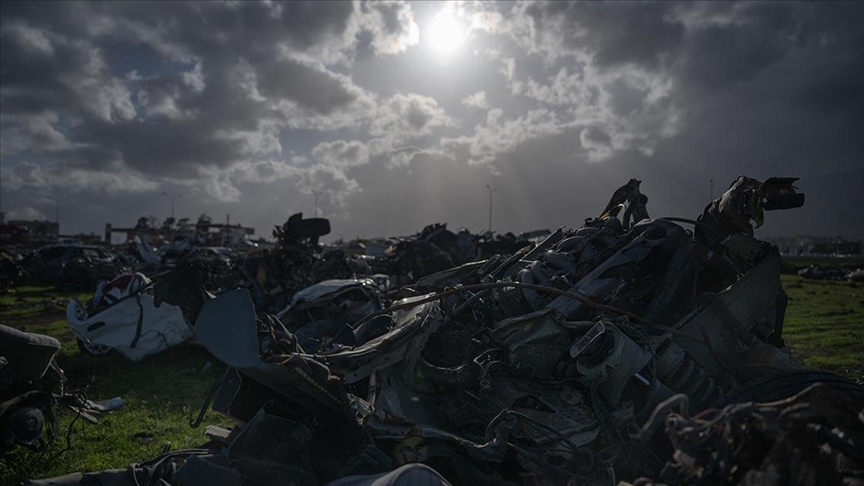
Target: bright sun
x,y
445,33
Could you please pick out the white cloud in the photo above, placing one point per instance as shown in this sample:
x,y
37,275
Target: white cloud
x,y
392,24
499,135
342,153
406,116
266,171
45,179
31,133
24,175
261,142
235,101
329,179
597,142
25,214
219,186
476,100
194,79
32,40
82,180
634,107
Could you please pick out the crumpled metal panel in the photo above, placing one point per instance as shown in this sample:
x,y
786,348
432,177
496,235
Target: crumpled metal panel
x,y
227,327
407,338
478,379
134,326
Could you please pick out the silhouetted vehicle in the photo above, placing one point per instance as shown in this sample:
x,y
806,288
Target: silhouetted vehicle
x,y
74,265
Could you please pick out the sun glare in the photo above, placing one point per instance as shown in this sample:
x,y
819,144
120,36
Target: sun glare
x,y
445,33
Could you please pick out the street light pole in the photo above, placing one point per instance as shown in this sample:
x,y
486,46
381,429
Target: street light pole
x,y
57,211
172,201
491,190
317,193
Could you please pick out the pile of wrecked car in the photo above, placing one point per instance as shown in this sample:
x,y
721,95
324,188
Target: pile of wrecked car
x,y
32,388
832,272
631,349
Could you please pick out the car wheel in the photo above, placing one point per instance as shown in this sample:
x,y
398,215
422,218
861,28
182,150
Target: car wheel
x,y
92,349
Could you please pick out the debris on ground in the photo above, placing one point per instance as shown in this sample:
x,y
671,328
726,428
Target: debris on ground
x,y
69,266
813,437
11,271
630,348
831,272
32,388
123,315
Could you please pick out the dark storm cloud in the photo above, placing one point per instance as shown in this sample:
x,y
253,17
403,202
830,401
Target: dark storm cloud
x,y
41,70
243,105
611,32
404,116
32,64
695,59
200,113
193,28
715,90
155,146
760,35
317,90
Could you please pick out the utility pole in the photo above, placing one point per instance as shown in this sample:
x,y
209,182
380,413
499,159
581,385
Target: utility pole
x,y
712,189
491,190
172,201
57,211
317,193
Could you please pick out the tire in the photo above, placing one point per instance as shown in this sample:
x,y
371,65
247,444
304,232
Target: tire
x,y
306,228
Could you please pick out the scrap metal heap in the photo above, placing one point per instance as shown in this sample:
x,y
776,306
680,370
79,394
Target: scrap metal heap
x,y
436,248
541,367
296,262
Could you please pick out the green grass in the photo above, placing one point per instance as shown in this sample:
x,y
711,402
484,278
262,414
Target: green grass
x,y
825,324
24,302
824,327
161,393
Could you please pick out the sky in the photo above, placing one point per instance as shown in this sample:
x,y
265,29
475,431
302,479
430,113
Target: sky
x,y
400,114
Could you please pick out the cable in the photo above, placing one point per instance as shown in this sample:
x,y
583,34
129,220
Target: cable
x,y
541,427
543,288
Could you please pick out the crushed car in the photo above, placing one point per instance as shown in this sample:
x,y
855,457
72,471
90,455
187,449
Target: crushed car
x,y
32,388
557,364
124,315
436,248
297,261
825,272
67,265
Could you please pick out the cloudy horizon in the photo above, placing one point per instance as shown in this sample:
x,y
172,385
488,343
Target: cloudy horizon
x,y
400,114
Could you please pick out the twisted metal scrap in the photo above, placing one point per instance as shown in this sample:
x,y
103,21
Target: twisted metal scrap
x,y
815,437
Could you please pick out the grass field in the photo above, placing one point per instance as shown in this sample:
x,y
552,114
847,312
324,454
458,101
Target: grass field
x,y
825,324
824,327
161,393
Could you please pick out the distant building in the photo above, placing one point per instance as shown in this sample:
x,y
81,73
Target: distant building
x,y
809,245
21,231
204,233
837,247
